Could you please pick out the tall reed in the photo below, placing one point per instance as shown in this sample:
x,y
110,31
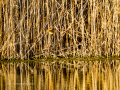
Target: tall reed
x,y
81,28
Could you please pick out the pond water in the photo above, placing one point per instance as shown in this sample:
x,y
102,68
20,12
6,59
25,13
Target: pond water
x,y
60,75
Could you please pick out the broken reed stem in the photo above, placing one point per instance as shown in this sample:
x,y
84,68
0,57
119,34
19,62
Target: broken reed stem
x,y
85,28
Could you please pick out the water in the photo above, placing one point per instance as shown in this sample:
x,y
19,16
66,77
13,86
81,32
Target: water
x,y
60,75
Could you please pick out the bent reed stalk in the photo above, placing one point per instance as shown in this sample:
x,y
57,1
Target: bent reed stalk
x,y
82,28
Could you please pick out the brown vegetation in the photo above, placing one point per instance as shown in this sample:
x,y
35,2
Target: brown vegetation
x,y
81,28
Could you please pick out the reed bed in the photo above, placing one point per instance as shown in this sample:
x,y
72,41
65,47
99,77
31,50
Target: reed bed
x,y
82,28
71,75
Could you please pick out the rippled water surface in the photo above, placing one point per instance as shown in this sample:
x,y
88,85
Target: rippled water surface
x,y
60,75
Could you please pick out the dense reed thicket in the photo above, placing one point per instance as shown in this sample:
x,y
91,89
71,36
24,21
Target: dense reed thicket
x,y
81,28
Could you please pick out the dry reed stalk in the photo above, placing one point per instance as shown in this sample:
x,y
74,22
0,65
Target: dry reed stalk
x,y
7,28
34,27
82,28
1,26
47,19
21,20
24,28
66,21
27,36
38,25
72,15
11,29
0,22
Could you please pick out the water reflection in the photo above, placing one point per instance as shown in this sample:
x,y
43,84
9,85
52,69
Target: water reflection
x,y
68,75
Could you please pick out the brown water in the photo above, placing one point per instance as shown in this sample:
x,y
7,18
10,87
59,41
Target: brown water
x,y
60,75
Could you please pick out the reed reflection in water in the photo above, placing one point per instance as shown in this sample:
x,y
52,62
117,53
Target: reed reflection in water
x,y
68,75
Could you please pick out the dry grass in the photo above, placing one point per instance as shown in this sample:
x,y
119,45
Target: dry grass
x,y
81,28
